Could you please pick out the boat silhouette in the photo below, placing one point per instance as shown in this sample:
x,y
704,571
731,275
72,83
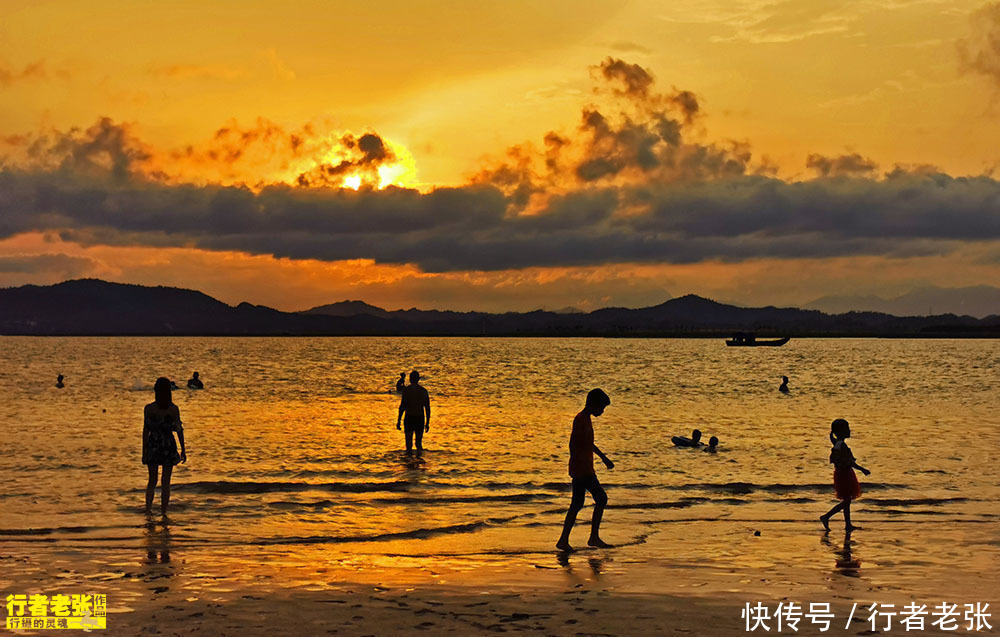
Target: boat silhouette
x,y
749,340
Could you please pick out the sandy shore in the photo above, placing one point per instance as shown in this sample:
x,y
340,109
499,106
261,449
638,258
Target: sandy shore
x,y
316,591
578,611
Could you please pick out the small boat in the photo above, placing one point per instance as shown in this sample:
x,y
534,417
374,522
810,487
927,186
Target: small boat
x,y
748,340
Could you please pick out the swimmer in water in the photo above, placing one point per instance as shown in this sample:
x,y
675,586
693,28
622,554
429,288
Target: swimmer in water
x,y
693,441
784,385
845,482
713,444
401,383
59,381
173,385
195,383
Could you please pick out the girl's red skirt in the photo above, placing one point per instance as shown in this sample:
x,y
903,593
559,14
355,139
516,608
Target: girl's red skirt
x,y
845,482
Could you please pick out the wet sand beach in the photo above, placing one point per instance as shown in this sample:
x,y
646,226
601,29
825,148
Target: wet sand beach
x,y
621,591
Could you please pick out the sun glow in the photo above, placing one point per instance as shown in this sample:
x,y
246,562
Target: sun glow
x,y
402,172
396,168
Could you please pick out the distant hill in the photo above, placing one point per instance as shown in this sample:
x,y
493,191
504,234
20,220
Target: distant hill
x,y
979,301
93,307
347,308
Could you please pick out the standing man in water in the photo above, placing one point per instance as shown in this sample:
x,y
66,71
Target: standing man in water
x,y
581,469
414,405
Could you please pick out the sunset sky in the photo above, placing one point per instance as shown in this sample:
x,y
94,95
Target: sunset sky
x,y
502,156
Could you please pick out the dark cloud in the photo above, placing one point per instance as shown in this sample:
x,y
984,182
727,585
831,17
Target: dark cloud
x,y
230,143
853,165
630,79
104,150
639,135
470,228
632,183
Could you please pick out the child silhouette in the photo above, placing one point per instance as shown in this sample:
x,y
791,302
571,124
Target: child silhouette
x,y
845,481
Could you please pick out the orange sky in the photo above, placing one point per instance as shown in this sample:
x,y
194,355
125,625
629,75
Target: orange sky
x,y
448,88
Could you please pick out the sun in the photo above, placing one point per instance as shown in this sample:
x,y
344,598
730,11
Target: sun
x,y
343,165
402,172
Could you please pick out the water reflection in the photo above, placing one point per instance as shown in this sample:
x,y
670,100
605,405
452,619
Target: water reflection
x,y
597,564
846,563
157,542
411,461
563,558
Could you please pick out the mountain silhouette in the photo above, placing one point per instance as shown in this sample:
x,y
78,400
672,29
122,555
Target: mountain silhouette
x,y
979,301
94,307
347,308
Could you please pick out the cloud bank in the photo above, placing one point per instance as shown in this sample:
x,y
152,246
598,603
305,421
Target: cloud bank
x,y
634,182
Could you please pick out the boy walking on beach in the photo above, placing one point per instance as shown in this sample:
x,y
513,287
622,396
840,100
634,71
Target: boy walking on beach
x,y
581,470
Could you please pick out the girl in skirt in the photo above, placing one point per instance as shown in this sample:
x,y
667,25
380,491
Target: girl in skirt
x,y
845,481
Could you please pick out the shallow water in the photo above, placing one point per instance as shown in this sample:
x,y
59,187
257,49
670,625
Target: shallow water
x,y
292,449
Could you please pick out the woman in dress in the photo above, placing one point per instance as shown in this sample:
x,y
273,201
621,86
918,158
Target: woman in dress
x,y
161,419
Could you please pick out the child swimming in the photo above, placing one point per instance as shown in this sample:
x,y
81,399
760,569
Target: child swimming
x,y
713,444
845,481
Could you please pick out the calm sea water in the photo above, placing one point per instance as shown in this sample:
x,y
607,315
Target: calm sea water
x,y
293,444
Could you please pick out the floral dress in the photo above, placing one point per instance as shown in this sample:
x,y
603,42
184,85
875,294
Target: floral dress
x,y
158,444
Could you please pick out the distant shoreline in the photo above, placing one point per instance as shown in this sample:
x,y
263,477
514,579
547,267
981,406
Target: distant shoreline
x,y
91,307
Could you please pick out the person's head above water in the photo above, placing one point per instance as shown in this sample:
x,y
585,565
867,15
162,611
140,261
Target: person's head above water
x,y
713,442
696,435
414,376
194,374
161,389
784,379
840,429
59,377
597,400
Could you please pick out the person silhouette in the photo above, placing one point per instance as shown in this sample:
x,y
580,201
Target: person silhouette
x,y
581,470
845,481
194,382
693,441
414,403
784,385
401,383
161,419
59,381
713,444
